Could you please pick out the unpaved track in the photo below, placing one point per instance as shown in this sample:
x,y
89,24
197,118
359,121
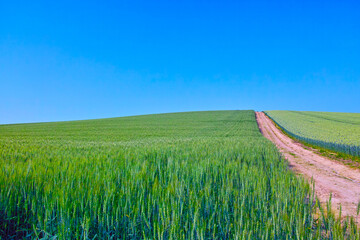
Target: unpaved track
x,y
330,176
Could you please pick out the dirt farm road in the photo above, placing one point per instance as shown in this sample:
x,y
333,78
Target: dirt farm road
x,y
329,175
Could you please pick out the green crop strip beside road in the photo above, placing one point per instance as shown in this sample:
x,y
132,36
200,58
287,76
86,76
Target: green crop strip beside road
x,y
339,132
195,175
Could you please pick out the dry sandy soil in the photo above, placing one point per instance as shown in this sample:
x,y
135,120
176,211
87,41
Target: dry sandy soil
x,y
329,175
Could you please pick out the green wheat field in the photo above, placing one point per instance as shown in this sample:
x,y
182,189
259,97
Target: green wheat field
x,y
194,175
339,132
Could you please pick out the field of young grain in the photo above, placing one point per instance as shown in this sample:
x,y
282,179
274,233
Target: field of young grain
x,y
339,132
195,175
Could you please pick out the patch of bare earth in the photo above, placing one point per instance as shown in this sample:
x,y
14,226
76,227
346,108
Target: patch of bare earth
x,y
330,176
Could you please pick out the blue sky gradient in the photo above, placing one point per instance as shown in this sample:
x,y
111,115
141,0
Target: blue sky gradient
x,y
61,60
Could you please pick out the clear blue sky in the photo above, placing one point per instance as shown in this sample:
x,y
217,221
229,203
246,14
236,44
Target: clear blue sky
x,y
63,60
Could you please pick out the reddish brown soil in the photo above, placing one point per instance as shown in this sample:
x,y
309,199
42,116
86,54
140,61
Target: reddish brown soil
x,y
330,176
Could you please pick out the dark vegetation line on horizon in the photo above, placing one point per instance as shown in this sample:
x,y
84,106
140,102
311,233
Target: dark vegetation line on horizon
x,y
125,116
146,114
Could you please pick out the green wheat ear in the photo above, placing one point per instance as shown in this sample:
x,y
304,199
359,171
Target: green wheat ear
x,y
358,208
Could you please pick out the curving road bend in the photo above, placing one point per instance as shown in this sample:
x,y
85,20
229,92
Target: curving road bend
x,y
330,176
